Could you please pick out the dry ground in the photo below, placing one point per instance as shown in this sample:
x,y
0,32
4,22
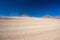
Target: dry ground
x,y
30,29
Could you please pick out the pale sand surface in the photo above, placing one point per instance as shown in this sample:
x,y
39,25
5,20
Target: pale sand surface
x,y
31,35
30,29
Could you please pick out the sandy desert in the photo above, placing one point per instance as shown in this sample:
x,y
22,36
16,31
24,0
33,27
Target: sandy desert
x,y
29,28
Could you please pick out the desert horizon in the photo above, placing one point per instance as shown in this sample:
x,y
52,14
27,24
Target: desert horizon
x,y
29,19
29,28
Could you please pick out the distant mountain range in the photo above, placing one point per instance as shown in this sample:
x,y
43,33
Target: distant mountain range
x,y
48,16
25,15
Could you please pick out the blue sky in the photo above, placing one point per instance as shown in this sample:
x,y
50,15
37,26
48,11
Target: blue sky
x,y
31,7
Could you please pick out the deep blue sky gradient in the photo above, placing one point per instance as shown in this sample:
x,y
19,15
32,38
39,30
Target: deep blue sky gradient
x,y
31,7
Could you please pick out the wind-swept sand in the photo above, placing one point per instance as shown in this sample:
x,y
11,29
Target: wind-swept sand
x,y
28,28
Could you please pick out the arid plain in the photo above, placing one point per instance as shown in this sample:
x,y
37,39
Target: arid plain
x,y
29,28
